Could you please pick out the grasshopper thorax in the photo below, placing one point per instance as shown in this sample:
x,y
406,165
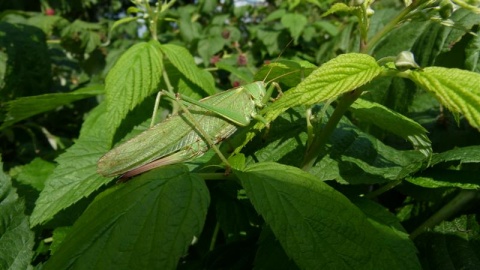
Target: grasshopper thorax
x,y
257,91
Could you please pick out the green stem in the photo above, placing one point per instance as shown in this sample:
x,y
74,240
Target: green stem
x,y
214,236
170,90
319,142
447,211
152,19
390,25
382,189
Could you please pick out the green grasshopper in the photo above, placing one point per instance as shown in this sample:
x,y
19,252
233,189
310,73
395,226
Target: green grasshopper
x,y
188,134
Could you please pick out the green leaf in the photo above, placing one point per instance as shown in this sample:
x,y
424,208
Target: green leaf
x,y
240,73
453,245
146,223
339,75
26,61
469,154
209,46
183,61
76,175
33,174
25,107
363,159
81,37
134,76
389,229
122,21
275,41
465,226
16,239
190,29
287,72
440,178
394,122
472,53
455,88
295,23
313,222
275,15
438,38
340,7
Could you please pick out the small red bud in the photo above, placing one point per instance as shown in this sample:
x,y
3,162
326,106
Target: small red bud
x,y
266,62
214,59
225,34
49,11
236,84
242,60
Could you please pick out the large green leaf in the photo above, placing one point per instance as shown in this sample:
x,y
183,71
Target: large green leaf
x,y
184,62
134,76
339,75
394,122
16,239
25,107
455,88
76,176
147,223
317,226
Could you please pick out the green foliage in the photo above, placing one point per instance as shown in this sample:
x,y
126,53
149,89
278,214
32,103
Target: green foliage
x,y
168,206
361,161
16,238
24,64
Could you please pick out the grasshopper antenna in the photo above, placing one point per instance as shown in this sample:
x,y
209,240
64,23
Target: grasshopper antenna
x,y
278,57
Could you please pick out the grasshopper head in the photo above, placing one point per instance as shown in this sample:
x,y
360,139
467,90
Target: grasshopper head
x,y
257,92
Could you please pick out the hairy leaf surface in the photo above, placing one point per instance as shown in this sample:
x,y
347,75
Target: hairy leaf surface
x,y
134,76
16,239
455,88
76,176
315,224
146,223
339,75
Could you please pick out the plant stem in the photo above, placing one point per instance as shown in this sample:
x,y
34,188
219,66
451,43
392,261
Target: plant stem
x,y
170,89
390,25
382,189
448,210
318,145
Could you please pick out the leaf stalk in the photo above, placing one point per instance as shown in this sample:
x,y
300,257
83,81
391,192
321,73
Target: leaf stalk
x,y
318,145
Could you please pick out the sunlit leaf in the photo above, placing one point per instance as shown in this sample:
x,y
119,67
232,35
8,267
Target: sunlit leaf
x,y
455,88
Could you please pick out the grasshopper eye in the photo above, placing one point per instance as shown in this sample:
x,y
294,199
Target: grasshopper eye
x,y
405,61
